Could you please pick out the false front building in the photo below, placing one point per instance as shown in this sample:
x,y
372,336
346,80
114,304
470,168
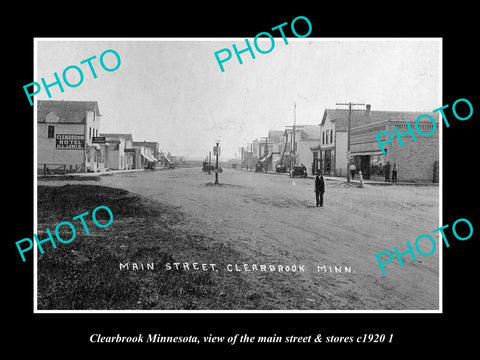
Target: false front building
x,y
416,160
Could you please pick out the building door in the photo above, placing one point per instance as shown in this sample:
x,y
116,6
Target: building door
x,y
365,166
315,165
327,163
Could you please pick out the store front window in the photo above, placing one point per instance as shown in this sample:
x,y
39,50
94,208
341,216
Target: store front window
x,y
371,165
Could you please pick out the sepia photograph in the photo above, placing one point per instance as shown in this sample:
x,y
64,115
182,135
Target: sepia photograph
x,y
237,175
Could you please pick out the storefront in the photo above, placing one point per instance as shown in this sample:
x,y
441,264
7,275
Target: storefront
x,y
416,161
323,160
328,162
149,161
316,153
95,157
371,164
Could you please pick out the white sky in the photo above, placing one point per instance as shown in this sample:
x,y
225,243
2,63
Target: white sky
x,y
173,91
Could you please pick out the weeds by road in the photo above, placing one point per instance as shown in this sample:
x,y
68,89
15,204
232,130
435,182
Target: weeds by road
x,y
85,274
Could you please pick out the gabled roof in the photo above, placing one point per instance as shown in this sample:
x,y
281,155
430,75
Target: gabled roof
x,y
272,133
67,111
116,135
360,118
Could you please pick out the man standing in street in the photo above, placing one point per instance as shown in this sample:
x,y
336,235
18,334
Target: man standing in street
x,y
319,188
352,170
394,173
387,171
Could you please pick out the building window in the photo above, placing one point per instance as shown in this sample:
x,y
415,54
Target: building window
x,y
51,131
90,133
326,139
331,135
323,137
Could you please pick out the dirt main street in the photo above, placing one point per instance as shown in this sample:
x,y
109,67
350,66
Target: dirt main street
x,y
272,219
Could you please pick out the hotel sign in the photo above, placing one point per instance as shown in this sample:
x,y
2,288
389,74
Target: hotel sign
x,y
70,141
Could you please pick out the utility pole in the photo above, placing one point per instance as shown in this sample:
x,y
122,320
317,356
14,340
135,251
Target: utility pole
x,y
350,109
209,161
266,155
252,167
217,150
241,160
250,146
294,157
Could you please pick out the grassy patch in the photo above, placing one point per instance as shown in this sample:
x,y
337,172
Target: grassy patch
x,y
85,274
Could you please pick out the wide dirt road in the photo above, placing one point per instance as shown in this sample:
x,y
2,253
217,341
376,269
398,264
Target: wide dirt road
x,y
271,219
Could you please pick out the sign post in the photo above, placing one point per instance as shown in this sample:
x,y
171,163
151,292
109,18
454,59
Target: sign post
x,y
99,140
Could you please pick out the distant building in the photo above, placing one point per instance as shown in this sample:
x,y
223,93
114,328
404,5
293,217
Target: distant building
x,y
330,154
118,151
299,143
265,153
152,145
65,136
148,151
255,149
276,146
164,159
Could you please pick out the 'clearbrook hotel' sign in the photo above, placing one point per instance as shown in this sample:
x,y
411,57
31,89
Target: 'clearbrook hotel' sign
x,y
70,141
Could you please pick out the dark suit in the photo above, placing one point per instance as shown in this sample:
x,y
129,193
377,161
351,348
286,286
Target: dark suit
x,y
319,189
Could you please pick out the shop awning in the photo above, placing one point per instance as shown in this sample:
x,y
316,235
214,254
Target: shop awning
x,y
379,152
149,157
265,157
152,159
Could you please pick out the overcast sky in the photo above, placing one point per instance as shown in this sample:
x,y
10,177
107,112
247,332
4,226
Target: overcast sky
x,y
173,91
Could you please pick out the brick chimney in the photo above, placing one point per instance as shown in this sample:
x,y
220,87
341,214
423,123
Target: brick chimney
x,y
367,112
